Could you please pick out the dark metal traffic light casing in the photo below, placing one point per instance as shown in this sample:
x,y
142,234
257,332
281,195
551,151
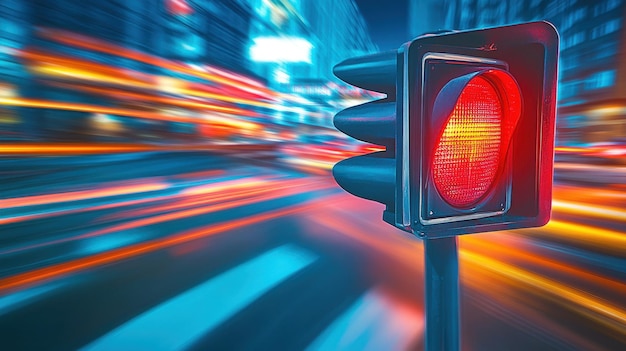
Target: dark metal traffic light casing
x,y
468,123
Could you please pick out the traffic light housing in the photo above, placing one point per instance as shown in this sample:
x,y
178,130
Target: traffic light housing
x,y
468,125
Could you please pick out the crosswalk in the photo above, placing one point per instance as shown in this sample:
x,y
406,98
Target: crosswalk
x,y
179,321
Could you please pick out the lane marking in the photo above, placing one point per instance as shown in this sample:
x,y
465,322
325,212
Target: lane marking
x,y
177,323
374,322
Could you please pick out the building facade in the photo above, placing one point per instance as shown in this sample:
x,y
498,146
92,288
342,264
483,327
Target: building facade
x,y
326,31
592,67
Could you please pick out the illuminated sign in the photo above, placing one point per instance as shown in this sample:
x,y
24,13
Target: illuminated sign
x,y
280,49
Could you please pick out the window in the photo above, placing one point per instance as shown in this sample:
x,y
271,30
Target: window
x,y
606,50
568,89
606,6
606,28
568,62
573,40
598,80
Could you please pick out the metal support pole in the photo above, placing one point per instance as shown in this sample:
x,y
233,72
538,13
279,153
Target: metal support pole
x,y
442,294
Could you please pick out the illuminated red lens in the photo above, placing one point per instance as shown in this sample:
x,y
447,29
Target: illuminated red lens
x,y
469,151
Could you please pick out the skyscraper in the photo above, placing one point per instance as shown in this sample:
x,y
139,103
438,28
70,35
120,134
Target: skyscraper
x,y
592,77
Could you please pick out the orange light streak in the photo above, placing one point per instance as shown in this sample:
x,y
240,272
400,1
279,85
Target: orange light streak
x,y
511,248
85,42
22,218
80,195
49,64
251,196
603,312
56,271
603,196
69,106
605,239
212,193
85,70
120,94
54,70
166,217
87,149
572,149
29,217
604,212
72,149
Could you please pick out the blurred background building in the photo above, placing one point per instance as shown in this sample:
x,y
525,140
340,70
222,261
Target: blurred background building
x,y
161,70
298,40
592,90
68,68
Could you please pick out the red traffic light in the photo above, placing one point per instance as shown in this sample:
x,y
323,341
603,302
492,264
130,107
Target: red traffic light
x,y
471,149
468,125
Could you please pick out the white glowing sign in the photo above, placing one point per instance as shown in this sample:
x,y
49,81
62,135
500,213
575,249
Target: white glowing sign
x,y
280,49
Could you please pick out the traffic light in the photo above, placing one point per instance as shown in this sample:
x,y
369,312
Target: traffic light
x,y
468,125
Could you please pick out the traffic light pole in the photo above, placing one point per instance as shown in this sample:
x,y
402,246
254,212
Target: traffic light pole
x,y
442,294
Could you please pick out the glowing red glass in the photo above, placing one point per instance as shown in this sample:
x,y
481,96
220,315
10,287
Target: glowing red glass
x,y
471,148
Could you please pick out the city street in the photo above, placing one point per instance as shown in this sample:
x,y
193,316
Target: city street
x,y
166,175
198,251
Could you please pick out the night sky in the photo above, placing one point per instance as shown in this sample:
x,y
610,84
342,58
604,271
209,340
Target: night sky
x,y
387,21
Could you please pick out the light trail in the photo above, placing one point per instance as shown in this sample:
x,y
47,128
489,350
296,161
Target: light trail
x,y
56,271
23,149
270,192
81,195
211,204
512,248
97,45
195,104
203,195
52,65
598,211
99,193
72,149
570,149
600,311
98,73
80,107
340,218
605,239
604,196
